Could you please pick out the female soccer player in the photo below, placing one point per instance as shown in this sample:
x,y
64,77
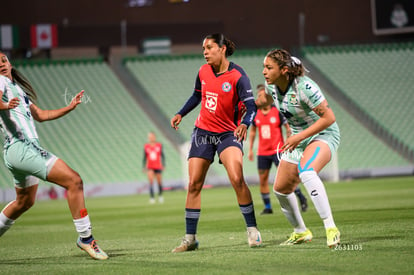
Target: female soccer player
x,y
220,85
268,122
28,161
315,138
154,163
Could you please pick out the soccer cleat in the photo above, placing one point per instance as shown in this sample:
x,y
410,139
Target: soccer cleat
x,y
253,237
266,211
186,245
333,237
161,199
92,249
304,205
298,238
152,201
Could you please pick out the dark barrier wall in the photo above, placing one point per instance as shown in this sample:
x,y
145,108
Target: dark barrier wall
x,y
258,23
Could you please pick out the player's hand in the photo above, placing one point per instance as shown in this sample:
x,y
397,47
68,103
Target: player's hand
x,y
13,103
251,155
175,121
291,143
77,99
241,132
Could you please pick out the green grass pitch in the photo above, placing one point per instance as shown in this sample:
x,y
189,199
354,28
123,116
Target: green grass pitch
x,y
375,216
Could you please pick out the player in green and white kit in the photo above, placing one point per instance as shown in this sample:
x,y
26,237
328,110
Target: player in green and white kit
x,y
315,138
29,162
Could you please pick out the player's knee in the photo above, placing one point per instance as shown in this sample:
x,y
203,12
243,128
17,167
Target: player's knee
x,y
307,176
76,182
194,187
25,204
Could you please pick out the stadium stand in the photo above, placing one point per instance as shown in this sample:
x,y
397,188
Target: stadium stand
x,y
372,84
103,138
378,78
360,149
169,81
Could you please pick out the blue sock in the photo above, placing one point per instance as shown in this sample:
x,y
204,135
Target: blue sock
x,y
151,190
88,239
266,200
248,214
191,220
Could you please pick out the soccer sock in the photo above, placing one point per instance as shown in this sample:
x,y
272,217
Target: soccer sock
x,y
160,189
290,209
5,223
191,220
266,200
300,195
248,214
317,192
151,190
83,226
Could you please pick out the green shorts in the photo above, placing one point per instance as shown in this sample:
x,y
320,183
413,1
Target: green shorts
x,y
332,139
28,162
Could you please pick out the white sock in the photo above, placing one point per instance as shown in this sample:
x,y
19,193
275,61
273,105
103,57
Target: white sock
x,y
190,237
83,227
290,208
5,223
317,192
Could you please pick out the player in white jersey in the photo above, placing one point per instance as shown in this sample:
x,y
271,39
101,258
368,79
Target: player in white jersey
x,y
315,138
28,161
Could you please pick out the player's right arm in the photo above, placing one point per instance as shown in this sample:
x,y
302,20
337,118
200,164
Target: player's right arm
x,y
191,103
252,137
13,103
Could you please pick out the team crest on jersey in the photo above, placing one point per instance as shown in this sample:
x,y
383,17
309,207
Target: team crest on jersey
x,y
226,87
272,119
293,99
211,101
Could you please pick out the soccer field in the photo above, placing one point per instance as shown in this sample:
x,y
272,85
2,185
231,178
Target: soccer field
x,y
375,216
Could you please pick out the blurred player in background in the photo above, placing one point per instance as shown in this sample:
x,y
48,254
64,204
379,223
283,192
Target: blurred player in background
x,y
268,122
154,163
220,86
315,138
28,161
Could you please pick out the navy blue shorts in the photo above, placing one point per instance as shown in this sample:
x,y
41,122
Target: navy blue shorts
x,y
205,144
265,162
156,171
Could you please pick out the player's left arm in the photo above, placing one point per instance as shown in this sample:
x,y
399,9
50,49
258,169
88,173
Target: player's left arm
x,y
326,119
245,93
162,158
45,115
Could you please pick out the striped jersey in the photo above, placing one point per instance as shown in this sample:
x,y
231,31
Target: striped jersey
x,y
297,104
16,124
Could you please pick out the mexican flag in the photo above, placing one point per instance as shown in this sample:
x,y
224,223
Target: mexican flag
x,y
44,36
9,37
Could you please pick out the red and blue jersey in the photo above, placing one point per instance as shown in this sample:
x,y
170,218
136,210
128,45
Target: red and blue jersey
x,y
220,98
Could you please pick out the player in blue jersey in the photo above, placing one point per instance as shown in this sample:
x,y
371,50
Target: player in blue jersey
x,y
315,138
29,162
220,86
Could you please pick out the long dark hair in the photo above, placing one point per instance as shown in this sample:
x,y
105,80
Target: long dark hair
x,y
221,40
23,82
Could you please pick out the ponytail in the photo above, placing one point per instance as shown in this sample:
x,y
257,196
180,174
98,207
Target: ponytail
x,y
24,84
